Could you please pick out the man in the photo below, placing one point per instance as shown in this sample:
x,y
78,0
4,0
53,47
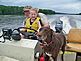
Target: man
x,y
42,16
26,10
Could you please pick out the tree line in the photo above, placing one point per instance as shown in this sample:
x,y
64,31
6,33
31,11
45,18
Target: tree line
x,y
16,10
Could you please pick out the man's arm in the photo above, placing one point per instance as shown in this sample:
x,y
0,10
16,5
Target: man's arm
x,y
44,20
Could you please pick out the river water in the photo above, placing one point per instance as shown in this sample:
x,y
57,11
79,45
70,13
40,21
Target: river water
x,y
15,21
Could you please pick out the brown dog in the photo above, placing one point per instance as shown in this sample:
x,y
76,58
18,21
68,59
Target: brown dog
x,y
52,43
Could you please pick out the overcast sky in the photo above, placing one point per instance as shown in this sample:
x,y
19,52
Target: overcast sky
x,y
68,6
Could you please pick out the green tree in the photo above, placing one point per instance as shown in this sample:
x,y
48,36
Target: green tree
x,y
15,10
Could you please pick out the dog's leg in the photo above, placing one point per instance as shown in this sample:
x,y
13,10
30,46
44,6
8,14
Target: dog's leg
x,y
54,58
51,59
46,58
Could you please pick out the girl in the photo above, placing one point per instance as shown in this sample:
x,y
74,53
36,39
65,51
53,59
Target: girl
x,y
33,22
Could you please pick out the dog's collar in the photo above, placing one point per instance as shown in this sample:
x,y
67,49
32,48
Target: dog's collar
x,y
47,44
50,43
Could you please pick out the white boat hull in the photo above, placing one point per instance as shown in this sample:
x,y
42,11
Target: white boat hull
x,y
23,50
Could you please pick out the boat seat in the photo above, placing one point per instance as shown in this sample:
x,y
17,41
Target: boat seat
x,y
74,41
74,36
74,47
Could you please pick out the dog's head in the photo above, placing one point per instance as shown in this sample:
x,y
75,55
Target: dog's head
x,y
44,33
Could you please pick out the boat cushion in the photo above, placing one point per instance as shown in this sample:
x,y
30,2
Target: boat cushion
x,y
76,47
74,35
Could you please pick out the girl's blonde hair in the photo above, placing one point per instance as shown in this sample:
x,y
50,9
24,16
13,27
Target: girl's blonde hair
x,y
34,9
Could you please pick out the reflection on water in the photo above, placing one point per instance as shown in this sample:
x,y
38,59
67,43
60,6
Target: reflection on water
x,y
15,21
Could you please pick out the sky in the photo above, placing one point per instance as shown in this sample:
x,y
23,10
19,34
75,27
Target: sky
x,y
66,6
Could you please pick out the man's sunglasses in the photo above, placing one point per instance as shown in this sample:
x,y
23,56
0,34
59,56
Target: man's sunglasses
x,y
26,11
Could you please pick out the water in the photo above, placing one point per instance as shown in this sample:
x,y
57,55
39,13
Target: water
x,y
11,21
15,21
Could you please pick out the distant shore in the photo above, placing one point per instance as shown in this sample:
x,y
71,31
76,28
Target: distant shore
x,y
16,10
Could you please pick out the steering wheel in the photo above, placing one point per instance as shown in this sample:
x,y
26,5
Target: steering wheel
x,y
27,28
28,35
